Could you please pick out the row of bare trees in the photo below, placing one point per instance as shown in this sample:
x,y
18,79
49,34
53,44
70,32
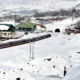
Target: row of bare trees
x,y
61,12
17,18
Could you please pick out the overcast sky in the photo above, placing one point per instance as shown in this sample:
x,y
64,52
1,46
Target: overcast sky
x,y
17,1
27,1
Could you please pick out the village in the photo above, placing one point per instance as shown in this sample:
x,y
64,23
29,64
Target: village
x,y
9,26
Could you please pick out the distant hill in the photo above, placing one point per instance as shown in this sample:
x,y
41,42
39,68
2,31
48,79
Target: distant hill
x,y
30,8
77,7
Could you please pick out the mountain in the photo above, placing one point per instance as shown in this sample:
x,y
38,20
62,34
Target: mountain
x,y
9,8
77,7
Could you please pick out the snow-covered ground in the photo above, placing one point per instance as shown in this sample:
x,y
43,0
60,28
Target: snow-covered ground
x,y
61,25
51,55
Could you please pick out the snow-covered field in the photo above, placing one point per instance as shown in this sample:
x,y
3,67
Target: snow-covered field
x,y
51,55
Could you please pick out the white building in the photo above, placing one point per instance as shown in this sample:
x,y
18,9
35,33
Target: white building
x,y
7,30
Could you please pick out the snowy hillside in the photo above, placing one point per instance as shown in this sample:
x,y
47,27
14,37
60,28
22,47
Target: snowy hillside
x,y
50,5
77,7
73,74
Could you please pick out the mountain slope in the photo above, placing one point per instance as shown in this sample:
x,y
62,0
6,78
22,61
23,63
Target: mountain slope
x,y
38,6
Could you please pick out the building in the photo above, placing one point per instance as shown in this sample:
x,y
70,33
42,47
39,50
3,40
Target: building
x,y
40,27
31,24
26,26
7,30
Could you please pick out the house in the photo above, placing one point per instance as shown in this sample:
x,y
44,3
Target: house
x,y
31,24
40,28
75,31
7,30
43,28
23,27
26,26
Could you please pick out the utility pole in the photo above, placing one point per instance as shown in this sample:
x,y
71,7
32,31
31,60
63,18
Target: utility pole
x,y
63,39
31,50
1,36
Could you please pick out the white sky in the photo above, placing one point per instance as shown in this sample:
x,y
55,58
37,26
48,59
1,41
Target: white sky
x,y
16,1
29,1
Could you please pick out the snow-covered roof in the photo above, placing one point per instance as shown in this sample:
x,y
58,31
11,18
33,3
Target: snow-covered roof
x,y
4,27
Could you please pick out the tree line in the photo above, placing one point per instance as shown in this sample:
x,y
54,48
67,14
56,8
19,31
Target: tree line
x,y
61,12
